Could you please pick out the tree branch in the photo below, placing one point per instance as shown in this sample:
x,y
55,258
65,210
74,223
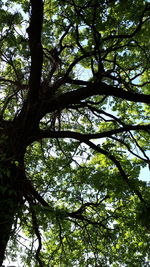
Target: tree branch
x,y
86,137
65,100
37,232
34,32
40,134
118,165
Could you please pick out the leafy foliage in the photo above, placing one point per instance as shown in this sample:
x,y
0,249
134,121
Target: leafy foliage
x,y
74,118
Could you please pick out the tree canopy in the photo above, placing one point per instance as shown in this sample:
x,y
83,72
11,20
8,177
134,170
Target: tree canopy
x,y
74,132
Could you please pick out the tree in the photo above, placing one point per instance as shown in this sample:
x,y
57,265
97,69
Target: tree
x,y
74,124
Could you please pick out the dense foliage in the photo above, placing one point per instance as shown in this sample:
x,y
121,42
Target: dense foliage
x,y
74,125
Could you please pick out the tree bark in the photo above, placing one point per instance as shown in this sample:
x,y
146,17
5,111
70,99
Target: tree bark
x,y
6,222
11,189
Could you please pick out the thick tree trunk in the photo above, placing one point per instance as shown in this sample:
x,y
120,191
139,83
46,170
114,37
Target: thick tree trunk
x,y
12,178
6,221
10,200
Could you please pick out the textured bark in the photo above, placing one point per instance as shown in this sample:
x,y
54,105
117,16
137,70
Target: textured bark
x,y
11,189
10,200
7,213
6,221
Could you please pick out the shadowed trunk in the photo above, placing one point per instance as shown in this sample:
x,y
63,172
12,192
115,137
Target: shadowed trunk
x,y
10,193
7,212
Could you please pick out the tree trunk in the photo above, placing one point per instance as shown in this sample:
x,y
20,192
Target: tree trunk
x,y
10,200
12,178
6,221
